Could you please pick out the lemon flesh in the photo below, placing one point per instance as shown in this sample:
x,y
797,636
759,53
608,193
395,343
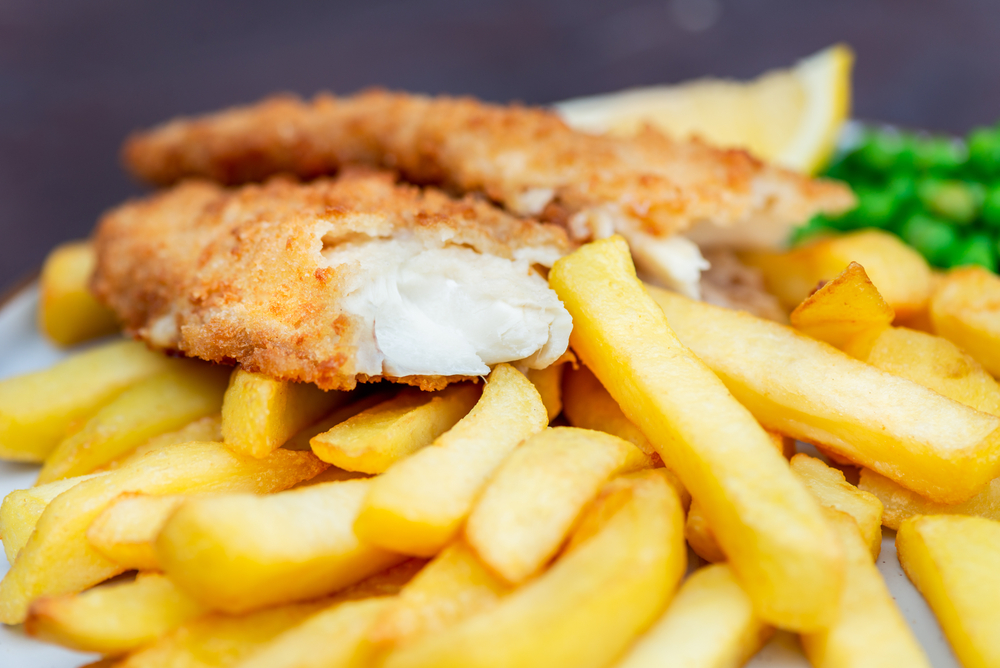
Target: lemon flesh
x,y
790,117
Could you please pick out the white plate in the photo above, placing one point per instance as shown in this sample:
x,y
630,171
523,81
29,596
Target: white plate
x,y
22,349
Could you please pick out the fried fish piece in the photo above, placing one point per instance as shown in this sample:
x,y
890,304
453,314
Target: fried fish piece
x,y
334,281
648,188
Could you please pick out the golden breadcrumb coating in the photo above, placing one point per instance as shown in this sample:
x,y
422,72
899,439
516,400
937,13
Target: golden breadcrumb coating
x,y
240,275
526,159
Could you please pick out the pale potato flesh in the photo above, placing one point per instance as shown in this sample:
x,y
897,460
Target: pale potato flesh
x,y
113,618
260,413
953,560
376,438
125,532
453,586
711,623
767,524
418,505
807,389
37,409
157,405
58,559
868,629
241,552
67,311
587,608
531,503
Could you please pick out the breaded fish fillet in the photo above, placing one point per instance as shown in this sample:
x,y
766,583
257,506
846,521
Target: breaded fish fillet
x,y
335,281
647,188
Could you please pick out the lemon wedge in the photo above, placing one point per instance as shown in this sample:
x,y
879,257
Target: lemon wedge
x,y
790,117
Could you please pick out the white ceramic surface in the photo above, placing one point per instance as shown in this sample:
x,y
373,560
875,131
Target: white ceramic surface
x,y
22,349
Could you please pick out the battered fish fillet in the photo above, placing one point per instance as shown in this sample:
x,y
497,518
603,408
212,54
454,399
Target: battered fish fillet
x,y
335,281
648,188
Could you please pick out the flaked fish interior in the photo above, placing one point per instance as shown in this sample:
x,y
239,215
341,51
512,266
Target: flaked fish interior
x,y
334,281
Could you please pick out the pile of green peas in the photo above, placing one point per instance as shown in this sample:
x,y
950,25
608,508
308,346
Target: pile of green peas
x,y
940,195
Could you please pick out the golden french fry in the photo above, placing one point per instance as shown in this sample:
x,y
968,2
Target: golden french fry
x,y
378,437
208,428
21,509
953,562
531,503
845,308
220,640
965,310
773,532
241,552
160,404
418,505
811,391
114,618
67,311
58,559
260,413
900,503
548,382
868,630
453,586
301,439
125,532
711,622
332,638
900,273
589,406
38,409
832,490
587,608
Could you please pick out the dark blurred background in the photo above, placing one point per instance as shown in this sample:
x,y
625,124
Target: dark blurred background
x,y
77,76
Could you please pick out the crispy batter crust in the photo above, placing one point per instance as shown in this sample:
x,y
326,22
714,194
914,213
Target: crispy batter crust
x,y
239,275
513,154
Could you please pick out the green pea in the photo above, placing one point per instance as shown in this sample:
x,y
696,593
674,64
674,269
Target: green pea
x,y
984,150
991,207
954,200
875,208
933,238
817,226
881,151
977,249
938,154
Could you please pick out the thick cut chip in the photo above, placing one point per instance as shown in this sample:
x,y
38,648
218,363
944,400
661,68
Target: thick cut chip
x,y
260,413
900,503
331,638
21,509
953,562
965,310
900,273
418,505
218,640
301,439
593,602
152,407
208,428
58,558
531,503
242,552
38,409
379,436
772,531
833,491
589,406
127,529
113,618
711,622
806,389
453,586
67,312
869,629
842,309
548,382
